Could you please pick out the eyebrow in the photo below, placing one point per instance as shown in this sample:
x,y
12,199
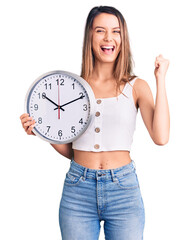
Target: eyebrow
x,y
104,28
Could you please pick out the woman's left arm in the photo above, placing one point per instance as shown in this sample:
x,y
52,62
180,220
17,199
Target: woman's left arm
x,y
156,117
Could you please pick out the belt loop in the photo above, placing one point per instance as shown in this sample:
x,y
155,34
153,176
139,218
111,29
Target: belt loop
x,y
113,176
85,171
134,165
71,162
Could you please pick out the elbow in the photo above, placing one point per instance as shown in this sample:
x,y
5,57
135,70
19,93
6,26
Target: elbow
x,y
160,138
161,142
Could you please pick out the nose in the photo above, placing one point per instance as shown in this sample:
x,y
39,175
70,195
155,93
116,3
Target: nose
x,y
108,36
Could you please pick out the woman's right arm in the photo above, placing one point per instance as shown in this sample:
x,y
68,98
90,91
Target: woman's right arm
x,y
28,124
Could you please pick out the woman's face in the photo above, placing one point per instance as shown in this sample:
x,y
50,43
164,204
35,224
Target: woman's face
x,y
106,39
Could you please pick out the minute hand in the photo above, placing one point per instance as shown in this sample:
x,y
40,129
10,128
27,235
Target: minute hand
x,y
70,102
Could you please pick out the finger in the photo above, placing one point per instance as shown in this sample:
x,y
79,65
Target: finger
x,y
160,57
29,123
24,115
26,119
157,64
160,60
29,130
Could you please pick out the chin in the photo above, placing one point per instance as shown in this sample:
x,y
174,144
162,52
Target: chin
x,y
106,59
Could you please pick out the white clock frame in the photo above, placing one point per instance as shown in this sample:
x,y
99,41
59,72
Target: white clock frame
x,y
91,107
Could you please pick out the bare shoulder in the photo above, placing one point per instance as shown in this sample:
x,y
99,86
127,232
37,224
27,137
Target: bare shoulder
x,y
140,83
142,93
141,87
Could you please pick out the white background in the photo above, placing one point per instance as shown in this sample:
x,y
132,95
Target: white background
x,y
41,35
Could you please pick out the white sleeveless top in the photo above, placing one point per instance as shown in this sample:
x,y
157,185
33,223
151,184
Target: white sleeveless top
x,y
113,126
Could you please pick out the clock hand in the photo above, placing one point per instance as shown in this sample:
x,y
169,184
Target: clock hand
x,y
70,102
58,101
53,103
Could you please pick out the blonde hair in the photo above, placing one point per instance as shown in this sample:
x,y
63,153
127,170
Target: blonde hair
x,y
123,69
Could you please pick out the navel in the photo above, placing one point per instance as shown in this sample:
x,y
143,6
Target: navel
x,y
101,166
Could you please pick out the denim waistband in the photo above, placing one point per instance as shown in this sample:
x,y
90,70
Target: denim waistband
x,y
107,173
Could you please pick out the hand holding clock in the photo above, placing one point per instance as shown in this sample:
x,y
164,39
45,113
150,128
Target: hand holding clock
x,y
28,123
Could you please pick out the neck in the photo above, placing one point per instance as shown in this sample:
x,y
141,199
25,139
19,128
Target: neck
x,y
103,71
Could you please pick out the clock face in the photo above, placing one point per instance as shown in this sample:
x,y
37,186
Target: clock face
x,y
62,105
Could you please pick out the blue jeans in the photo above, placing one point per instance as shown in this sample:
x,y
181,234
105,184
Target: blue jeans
x,y
93,195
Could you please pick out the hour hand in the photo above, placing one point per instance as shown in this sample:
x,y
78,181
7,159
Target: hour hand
x,y
58,107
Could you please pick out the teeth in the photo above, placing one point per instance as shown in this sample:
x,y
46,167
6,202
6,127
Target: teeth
x,y
107,47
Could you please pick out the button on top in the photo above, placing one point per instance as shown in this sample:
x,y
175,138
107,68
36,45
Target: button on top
x,y
97,129
97,114
96,146
99,101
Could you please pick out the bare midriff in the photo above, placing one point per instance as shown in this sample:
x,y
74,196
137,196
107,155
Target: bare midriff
x,y
102,160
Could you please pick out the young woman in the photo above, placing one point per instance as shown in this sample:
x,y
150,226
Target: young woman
x,y
101,184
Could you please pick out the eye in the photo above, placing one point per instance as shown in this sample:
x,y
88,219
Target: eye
x,y
116,31
99,31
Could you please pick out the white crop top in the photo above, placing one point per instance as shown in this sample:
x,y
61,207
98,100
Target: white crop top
x,y
113,126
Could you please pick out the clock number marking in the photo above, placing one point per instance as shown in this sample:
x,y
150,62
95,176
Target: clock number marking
x,y
81,95
48,128
35,107
43,95
46,85
40,120
81,121
73,129
60,81
73,86
84,107
60,133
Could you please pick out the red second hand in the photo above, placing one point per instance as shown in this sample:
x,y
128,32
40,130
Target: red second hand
x,y
58,101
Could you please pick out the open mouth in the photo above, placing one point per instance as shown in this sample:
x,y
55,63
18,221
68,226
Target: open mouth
x,y
108,49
